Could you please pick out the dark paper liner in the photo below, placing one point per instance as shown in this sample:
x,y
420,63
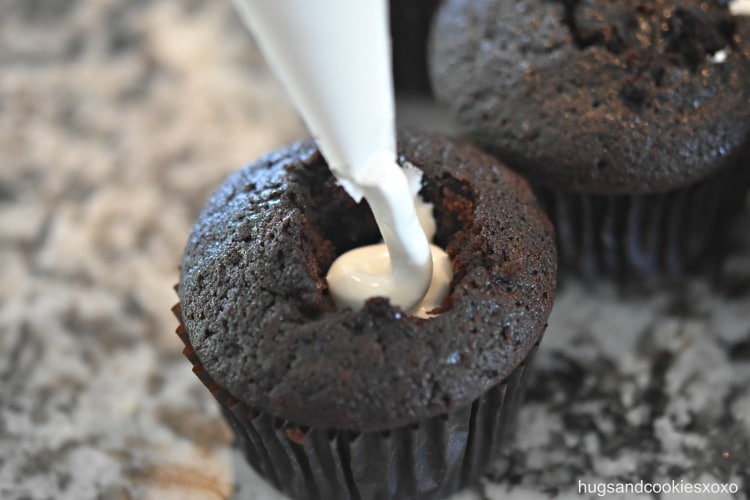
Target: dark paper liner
x,y
429,459
647,237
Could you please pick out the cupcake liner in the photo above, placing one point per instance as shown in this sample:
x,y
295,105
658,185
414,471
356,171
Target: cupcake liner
x,y
430,459
637,237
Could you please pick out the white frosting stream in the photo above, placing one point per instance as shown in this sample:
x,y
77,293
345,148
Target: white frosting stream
x,y
334,58
367,272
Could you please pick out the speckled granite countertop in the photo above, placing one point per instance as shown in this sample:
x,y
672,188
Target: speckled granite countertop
x,y
117,120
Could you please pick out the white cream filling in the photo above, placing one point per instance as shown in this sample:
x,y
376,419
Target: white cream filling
x,y
334,58
368,271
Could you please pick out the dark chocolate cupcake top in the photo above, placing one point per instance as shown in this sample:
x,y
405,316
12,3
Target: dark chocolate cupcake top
x,y
607,96
258,313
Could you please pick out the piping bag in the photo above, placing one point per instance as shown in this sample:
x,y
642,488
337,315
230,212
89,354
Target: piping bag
x,y
333,57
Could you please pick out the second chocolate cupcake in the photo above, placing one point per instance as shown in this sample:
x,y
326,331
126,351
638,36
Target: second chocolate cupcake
x,y
368,404
631,118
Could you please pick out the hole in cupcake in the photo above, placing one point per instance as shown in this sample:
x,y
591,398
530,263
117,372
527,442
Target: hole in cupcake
x,y
601,164
693,34
678,34
338,224
452,206
342,223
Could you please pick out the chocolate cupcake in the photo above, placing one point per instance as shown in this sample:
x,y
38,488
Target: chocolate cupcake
x,y
373,403
632,119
